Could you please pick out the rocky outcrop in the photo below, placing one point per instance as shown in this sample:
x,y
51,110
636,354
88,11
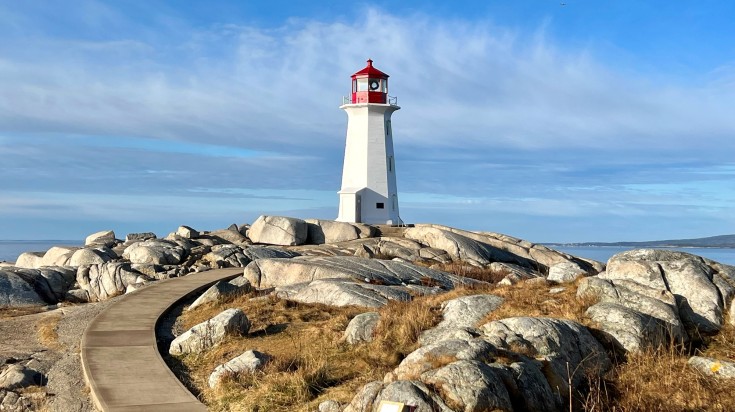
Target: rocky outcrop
x,y
32,287
481,249
361,328
249,362
226,256
58,256
469,385
210,333
90,256
342,280
343,292
278,230
412,393
268,252
631,316
105,238
139,237
329,231
155,251
107,280
460,317
218,291
30,260
713,367
187,232
702,288
17,376
562,346
266,273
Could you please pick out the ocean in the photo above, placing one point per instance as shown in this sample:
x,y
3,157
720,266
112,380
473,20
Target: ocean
x,y
10,249
603,253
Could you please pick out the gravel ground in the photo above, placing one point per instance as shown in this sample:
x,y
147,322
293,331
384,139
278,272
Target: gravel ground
x,y
65,388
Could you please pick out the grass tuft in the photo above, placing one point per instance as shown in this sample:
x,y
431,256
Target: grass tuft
x,y
46,331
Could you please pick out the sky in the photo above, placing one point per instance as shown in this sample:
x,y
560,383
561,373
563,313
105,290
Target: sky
x,y
549,121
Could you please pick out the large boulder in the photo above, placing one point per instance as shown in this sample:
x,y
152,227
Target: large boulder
x,y
698,285
208,334
109,279
632,316
266,273
343,292
139,237
347,280
30,260
562,344
460,317
226,256
89,256
470,386
413,393
461,247
425,358
361,328
218,291
565,272
267,252
58,256
105,237
187,232
483,248
250,361
226,236
17,289
329,231
155,251
713,367
17,376
278,230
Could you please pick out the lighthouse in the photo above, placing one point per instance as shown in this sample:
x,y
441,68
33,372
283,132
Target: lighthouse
x,y
369,193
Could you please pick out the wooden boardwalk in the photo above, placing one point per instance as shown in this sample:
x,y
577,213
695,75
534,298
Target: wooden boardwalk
x,y
120,355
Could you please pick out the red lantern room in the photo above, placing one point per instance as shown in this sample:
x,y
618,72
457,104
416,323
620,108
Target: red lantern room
x,y
369,85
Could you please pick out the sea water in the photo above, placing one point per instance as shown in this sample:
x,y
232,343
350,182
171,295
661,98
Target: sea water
x,y
603,253
10,249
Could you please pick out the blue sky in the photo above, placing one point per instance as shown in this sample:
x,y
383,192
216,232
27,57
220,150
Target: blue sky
x,y
585,121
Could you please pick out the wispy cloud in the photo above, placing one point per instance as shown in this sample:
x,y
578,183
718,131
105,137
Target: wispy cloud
x,y
494,120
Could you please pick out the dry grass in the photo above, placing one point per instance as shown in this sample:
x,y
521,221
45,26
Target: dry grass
x,y
473,272
37,397
535,299
11,312
311,364
46,331
310,361
661,381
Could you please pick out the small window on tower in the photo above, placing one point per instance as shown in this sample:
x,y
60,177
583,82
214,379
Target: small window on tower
x,y
362,85
380,205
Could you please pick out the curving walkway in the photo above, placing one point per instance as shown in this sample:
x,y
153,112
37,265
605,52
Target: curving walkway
x,y
120,356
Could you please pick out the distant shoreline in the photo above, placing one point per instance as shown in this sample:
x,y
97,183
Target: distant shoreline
x,y
635,245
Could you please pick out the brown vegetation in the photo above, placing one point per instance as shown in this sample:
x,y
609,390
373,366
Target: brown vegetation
x,y
46,331
312,364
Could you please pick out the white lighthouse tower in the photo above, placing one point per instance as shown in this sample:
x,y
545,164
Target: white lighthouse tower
x,y
369,193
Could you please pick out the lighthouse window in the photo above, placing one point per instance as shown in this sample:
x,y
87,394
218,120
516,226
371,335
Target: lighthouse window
x,y
362,85
390,163
380,205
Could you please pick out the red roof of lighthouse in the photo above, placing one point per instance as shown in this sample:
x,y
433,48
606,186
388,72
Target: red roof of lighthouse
x,y
370,71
